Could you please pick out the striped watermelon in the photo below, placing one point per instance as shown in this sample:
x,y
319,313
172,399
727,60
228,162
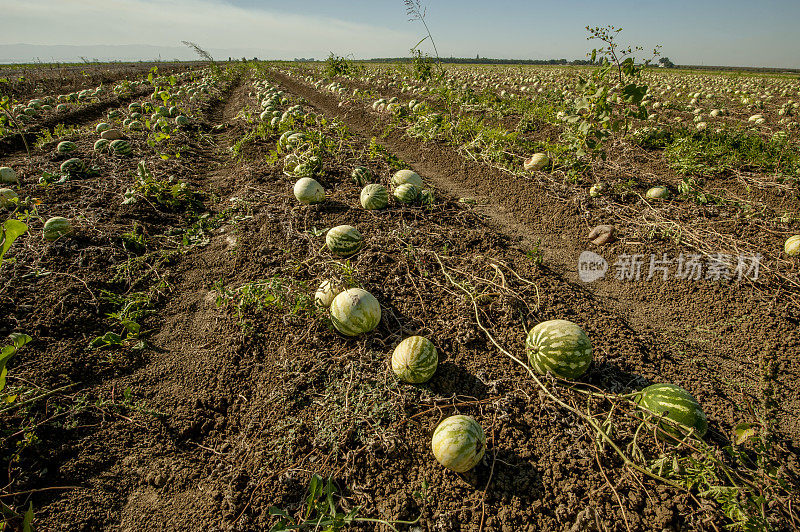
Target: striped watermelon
x,y
374,196
406,176
101,145
459,443
355,311
308,190
56,227
344,240
414,360
792,246
559,347
361,175
327,291
72,166
406,193
66,146
120,147
676,404
102,126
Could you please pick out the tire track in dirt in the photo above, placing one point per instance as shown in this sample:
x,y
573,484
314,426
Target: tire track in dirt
x,y
726,326
159,471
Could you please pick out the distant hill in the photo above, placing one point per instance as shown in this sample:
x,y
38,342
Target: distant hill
x,y
32,53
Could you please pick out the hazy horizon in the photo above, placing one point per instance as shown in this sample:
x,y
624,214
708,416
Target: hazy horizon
x,y
733,33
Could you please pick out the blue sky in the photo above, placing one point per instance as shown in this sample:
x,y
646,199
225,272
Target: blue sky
x,y
731,32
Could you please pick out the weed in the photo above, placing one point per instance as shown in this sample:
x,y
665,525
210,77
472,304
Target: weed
x,y
169,193
276,293
322,512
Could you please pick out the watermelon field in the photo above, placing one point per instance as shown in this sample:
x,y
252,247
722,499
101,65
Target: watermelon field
x,y
339,296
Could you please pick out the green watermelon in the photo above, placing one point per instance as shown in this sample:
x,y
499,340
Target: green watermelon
x,y
102,126
676,404
792,246
181,121
406,193
8,198
66,146
56,227
62,107
120,147
101,145
344,240
361,176
374,196
559,347
8,175
407,176
72,166
355,311
459,443
414,360
308,190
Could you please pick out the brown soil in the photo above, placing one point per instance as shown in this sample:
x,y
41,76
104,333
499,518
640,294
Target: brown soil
x,y
226,415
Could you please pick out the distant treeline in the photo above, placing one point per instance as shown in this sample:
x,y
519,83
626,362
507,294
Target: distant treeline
x,y
485,61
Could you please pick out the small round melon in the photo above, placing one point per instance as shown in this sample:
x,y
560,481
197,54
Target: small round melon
x,y
111,134
7,198
676,404
101,145
536,162
102,126
8,175
406,193
374,196
344,240
657,193
355,311
72,166
792,246
459,443
56,227
327,291
414,360
120,147
66,146
407,176
307,190
181,121
597,189
559,347
361,176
